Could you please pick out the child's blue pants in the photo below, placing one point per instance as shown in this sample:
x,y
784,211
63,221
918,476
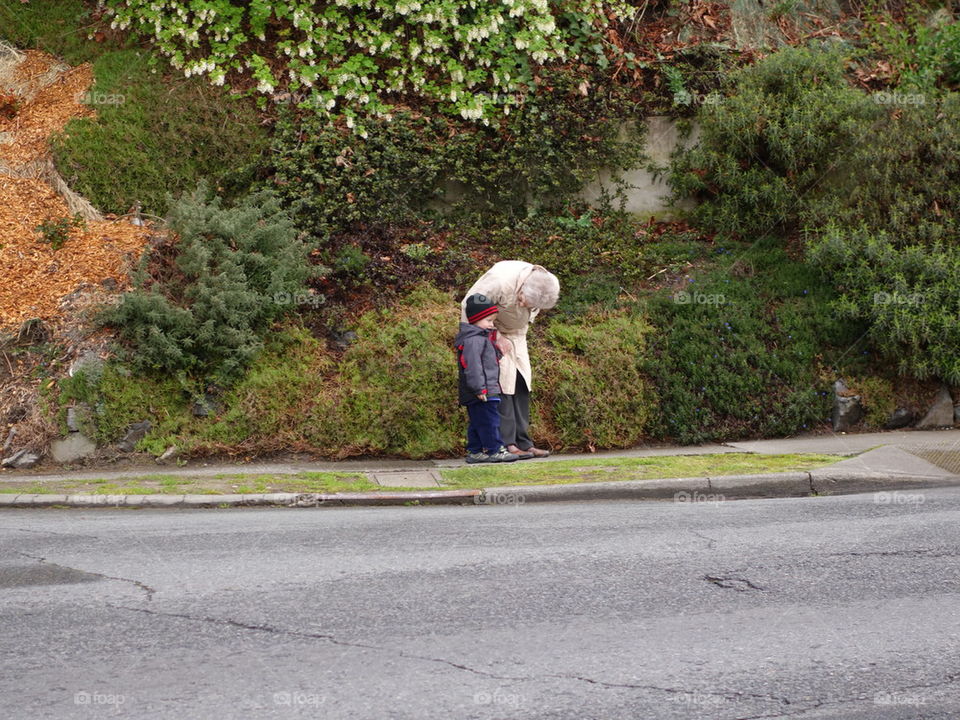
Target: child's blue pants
x,y
483,431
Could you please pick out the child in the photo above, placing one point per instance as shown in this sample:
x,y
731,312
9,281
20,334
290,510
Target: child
x,y
479,361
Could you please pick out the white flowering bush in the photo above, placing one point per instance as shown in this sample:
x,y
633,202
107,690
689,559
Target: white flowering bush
x,y
363,58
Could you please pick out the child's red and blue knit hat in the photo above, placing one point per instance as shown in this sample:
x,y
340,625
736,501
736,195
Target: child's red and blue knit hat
x,y
479,306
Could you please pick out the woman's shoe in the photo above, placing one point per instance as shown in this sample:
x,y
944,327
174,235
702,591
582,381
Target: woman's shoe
x,y
522,454
537,452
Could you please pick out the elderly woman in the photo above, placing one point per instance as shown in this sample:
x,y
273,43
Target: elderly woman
x,y
520,290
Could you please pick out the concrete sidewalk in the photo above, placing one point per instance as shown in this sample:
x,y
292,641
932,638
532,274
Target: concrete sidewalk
x,y
898,461
945,441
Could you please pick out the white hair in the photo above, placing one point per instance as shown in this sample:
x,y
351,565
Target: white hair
x,y
541,289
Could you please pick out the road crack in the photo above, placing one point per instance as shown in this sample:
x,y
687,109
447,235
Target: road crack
x,y
269,629
136,583
732,583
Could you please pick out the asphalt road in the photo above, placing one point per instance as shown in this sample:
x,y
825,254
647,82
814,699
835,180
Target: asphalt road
x,y
830,607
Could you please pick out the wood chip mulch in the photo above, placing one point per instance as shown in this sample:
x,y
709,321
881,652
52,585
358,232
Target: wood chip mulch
x,y
33,276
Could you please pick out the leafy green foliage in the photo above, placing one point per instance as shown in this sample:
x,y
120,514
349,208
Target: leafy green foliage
x,y
399,379
890,242
359,58
876,397
56,231
235,271
284,402
535,161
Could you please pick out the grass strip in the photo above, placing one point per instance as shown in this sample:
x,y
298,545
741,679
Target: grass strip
x,y
551,472
222,484
558,472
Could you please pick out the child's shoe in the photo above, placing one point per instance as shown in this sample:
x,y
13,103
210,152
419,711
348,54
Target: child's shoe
x,y
502,455
479,457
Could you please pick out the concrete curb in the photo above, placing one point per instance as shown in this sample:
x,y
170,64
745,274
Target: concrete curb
x,y
718,489
680,490
438,497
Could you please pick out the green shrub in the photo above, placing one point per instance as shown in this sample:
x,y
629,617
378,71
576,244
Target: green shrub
x,y
119,398
394,390
890,242
57,231
398,382
589,387
766,151
877,398
281,404
236,270
908,294
372,58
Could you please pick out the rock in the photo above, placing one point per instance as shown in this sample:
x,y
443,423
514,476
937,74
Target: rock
x,y
9,441
343,340
169,456
901,418
78,416
940,413
135,433
206,406
21,459
939,18
847,410
71,448
88,362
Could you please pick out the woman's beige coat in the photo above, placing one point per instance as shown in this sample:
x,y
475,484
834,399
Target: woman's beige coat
x,y
501,283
